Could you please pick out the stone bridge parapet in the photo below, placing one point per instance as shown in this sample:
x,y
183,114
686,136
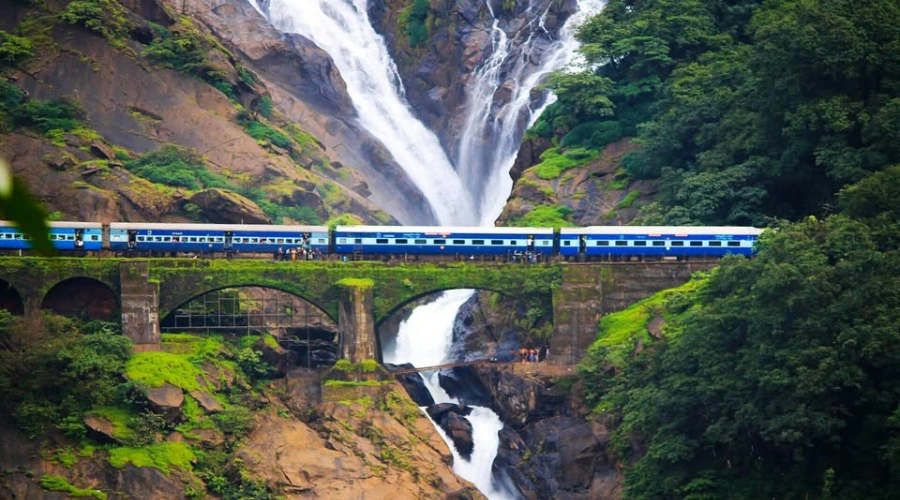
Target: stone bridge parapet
x,y
357,295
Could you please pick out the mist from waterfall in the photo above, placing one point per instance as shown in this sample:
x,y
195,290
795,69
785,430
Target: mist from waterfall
x,y
471,194
342,28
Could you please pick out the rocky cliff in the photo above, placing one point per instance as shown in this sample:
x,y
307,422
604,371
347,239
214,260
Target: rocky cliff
x,y
263,113
438,46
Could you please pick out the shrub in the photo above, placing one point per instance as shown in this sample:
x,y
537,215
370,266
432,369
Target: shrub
x,y
262,132
412,21
553,162
161,456
234,420
105,17
14,49
176,166
545,216
56,114
252,364
59,483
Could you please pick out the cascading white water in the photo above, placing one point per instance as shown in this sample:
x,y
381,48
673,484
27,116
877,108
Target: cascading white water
x,y
486,165
342,28
424,339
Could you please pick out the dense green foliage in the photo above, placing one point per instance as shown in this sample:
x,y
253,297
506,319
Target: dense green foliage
x,y
744,109
14,49
58,483
59,372
777,379
107,18
412,21
176,166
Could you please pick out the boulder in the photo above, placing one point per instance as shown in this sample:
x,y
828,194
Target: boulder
x,y
166,400
102,150
281,359
220,206
207,402
460,431
464,384
100,429
452,419
414,385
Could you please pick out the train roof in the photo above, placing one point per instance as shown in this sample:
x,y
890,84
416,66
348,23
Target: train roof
x,y
446,229
261,228
673,230
63,224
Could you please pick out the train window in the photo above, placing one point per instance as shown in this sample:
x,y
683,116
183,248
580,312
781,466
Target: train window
x,y
545,243
169,238
253,240
342,240
658,243
94,237
478,242
677,243
193,239
320,240
734,243
202,239
459,242
696,243
567,243
358,241
421,242
280,240
496,242
640,243
140,238
8,236
159,238
69,237
381,241
513,242
603,243
220,239
715,243
401,241
621,243
52,236
440,242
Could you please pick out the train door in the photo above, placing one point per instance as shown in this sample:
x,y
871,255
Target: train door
x,y
132,239
582,244
229,240
79,239
529,243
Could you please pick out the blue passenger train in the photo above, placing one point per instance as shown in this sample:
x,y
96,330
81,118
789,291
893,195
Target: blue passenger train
x,y
596,242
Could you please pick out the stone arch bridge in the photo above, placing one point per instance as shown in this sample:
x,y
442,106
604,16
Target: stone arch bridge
x,y
357,295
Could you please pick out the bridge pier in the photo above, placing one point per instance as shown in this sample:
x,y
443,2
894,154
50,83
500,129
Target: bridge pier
x,y
356,319
140,304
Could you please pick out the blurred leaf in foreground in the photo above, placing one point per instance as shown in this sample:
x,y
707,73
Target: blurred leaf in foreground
x,y
18,205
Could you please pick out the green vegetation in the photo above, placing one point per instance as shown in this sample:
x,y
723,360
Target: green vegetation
x,y
155,369
59,483
413,22
553,162
176,166
774,378
14,49
107,18
744,109
184,47
544,216
362,283
628,200
262,132
51,377
161,456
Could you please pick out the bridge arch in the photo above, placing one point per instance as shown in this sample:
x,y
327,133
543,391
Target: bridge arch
x,y
171,305
409,299
82,296
11,299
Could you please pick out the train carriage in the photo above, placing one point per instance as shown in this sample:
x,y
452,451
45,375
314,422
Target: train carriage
x,y
659,241
65,236
433,240
199,238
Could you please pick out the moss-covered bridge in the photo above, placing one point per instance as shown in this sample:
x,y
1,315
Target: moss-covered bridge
x,y
357,295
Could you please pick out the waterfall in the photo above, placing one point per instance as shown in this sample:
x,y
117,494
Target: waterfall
x,y
342,28
474,192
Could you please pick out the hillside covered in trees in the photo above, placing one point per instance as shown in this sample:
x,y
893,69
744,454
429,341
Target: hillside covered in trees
x,y
742,109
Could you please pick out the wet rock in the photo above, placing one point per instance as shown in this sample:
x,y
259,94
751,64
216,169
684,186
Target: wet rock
x,y
207,402
414,385
516,400
225,207
166,400
452,419
100,429
464,384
